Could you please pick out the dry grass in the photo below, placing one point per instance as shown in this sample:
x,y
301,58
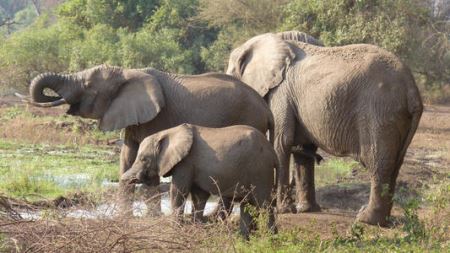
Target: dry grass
x,y
118,234
58,233
100,235
48,125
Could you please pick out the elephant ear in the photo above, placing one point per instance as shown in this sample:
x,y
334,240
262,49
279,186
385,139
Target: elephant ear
x,y
261,62
138,100
174,145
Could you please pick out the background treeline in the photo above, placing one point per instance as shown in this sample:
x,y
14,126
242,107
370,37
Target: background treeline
x,y
195,36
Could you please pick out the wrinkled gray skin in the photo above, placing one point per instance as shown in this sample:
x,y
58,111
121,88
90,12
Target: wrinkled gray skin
x,y
147,101
236,163
358,100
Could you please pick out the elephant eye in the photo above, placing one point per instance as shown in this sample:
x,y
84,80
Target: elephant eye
x,y
145,160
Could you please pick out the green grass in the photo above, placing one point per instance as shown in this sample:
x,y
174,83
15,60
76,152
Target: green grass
x,y
34,171
292,241
332,170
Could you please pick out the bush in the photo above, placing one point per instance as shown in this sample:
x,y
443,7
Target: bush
x,y
196,36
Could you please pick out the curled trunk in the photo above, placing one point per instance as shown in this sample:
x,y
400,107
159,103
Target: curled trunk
x,y
66,86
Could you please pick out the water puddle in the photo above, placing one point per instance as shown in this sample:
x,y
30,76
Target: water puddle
x,y
67,181
110,210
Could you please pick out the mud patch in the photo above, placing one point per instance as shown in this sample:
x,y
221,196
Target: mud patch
x,y
343,197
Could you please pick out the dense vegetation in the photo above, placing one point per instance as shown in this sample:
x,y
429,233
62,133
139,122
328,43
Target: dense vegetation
x,y
194,36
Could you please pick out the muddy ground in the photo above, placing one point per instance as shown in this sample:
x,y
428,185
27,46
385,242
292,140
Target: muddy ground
x,y
427,159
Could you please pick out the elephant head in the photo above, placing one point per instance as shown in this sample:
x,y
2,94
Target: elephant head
x,y
159,153
116,97
263,60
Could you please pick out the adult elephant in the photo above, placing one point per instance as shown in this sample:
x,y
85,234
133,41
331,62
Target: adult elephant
x,y
146,101
357,100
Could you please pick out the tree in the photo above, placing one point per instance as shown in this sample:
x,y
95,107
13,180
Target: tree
x,y
130,14
37,6
404,27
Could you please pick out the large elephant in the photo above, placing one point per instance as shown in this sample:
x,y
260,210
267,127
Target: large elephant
x,y
237,163
357,100
146,101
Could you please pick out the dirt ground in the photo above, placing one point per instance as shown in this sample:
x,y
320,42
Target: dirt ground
x,y
427,158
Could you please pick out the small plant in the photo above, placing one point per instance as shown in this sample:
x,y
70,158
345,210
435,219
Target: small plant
x,y
413,226
12,112
357,231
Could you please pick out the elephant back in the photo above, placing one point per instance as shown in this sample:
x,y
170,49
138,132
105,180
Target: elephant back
x,y
300,36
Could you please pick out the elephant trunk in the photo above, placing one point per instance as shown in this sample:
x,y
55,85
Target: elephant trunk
x,y
68,87
131,176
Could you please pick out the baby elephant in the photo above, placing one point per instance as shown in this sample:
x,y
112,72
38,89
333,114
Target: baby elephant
x,y
236,163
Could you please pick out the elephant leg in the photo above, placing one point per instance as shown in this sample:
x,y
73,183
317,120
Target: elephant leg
x,y
304,178
284,132
222,210
262,200
382,162
246,223
178,199
152,196
199,199
179,192
285,202
382,187
271,224
126,190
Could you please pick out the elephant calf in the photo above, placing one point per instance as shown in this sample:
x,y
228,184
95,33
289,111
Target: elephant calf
x,y
235,162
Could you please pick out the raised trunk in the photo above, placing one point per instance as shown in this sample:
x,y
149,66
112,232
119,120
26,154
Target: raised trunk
x,y
66,86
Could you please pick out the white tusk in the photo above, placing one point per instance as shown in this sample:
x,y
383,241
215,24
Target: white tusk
x,y
49,104
26,99
23,97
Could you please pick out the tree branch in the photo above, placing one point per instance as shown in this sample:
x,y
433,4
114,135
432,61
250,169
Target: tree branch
x,y
37,6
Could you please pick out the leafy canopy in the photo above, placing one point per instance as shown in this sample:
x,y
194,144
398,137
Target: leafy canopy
x,y
195,36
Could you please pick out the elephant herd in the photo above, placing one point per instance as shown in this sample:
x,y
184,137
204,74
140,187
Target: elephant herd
x,y
208,131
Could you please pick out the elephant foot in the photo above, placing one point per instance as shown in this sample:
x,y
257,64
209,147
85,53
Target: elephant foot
x,y
154,213
372,216
200,220
307,207
221,215
125,207
287,209
126,211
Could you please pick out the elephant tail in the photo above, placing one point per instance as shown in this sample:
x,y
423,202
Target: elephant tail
x,y
271,127
276,172
415,108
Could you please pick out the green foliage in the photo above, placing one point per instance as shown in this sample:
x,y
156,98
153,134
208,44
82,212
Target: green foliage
x,y
99,45
403,27
195,36
216,56
116,13
413,227
36,171
333,170
160,50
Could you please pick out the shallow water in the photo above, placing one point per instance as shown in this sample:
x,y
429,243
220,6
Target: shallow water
x,y
67,181
110,210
